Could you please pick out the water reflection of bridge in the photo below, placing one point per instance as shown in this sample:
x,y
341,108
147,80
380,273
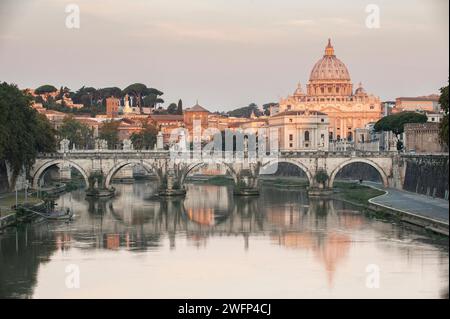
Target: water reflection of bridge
x,y
288,219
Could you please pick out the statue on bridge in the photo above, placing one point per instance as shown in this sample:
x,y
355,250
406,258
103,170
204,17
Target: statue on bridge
x,y
64,145
127,145
101,144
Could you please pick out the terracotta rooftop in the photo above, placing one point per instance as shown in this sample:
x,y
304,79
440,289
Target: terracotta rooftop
x,y
433,97
196,108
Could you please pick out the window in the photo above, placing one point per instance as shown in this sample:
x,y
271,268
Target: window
x,y
329,90
372,107
330,136
349,136
307,136
322,120
322,90
337,90
288,107
290,120
291,137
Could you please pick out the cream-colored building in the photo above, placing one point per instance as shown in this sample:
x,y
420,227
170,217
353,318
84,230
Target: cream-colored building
x,y
299,130
330,91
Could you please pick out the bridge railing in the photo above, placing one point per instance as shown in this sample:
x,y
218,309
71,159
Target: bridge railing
x,y
222,155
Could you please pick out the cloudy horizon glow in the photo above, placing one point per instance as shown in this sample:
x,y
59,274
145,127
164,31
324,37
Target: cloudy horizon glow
x,y
225,53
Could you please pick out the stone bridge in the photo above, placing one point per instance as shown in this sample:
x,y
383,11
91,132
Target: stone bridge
x,y
98,167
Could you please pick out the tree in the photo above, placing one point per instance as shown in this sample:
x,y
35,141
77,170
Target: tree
x,y
245,111
47,88
152,100
109,131
77,133
443,126
180,107
395,123
44,134
267,106
109,91
23,132
146,138
137,90
321,177
172,108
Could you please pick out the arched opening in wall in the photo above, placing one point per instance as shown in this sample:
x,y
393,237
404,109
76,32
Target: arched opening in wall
x,y
208,199
208,174
284,173
357,172
59,175
130,173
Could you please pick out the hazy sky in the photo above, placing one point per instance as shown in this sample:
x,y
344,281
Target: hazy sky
x,y
225,53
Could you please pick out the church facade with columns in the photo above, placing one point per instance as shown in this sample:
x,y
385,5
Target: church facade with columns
x,y
330,91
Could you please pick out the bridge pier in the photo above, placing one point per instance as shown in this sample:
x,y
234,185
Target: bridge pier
x,y
65,173
97,187
246,179
171,185
247,185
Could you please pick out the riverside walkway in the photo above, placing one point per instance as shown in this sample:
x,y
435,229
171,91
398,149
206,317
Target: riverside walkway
x,y
425,206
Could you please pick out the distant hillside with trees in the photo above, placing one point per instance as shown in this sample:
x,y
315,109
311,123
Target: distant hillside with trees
x,y
245,111
94,100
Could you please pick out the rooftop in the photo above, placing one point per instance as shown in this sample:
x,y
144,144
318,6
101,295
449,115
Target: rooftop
x,y
196,108
432,97
166,117
306,113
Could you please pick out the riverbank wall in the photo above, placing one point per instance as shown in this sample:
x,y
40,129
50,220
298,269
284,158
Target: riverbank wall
x,y
427,174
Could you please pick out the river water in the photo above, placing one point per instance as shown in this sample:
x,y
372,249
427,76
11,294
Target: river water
x,y
214,245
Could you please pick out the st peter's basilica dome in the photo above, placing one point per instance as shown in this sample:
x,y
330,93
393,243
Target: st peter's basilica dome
x,y
329,67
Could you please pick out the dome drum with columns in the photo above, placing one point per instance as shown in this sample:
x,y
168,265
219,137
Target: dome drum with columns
x,y
330,91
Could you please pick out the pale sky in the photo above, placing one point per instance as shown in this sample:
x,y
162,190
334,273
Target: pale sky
x,y
225,53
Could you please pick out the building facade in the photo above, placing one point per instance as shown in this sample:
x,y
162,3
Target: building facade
x,y
422,138
112,107
299,130
193,114
330,91
428,103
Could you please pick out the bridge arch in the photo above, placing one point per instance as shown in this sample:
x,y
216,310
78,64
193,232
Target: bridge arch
x,y
198,165
384,176
293,162
37,175
149,167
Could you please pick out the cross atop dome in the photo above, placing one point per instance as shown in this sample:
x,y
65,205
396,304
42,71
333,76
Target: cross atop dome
x,y
329,50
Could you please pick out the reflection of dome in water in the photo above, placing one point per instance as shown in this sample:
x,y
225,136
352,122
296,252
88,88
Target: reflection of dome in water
x,y
329,252
332,252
